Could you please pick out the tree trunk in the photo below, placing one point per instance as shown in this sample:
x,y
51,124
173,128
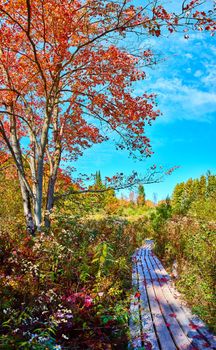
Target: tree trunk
x,y
39,195
54,165
51,189
50,200
55,160
14,146
27,208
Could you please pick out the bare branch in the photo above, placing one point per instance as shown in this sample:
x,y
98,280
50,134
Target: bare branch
x,y
150,179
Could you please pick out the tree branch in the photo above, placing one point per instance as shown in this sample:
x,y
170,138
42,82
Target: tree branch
x,y
29,16
146,181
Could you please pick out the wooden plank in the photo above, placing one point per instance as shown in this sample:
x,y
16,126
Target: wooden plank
x,y
203,330
163,334
134,321
201,335
181,340
157,306
159,269
186,319
149,243
148,332
179,313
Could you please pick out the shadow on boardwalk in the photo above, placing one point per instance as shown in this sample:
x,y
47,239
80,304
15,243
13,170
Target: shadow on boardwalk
x,y
159,319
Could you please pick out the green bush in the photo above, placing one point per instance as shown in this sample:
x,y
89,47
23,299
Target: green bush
x,y
191,243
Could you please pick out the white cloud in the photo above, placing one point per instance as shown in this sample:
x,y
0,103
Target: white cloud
x,y
209,80
188,55
179,101
185,81
198,73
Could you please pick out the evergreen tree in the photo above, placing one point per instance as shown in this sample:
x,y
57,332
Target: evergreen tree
x,y
141,195
196,185
102,200
177,197
202,188
168,201
211,185
189,196
98,181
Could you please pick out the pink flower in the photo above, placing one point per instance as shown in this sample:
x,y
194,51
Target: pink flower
x,y
71,299
88,301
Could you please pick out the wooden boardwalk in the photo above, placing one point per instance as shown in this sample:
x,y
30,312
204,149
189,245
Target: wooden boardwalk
x,y
159,320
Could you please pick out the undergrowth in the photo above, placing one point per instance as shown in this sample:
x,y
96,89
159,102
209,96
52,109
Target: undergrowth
x,y
68,288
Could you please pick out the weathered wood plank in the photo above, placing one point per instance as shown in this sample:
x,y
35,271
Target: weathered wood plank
x,y
159,319
179,314
201,336
148,331
134,322
180,338
163,334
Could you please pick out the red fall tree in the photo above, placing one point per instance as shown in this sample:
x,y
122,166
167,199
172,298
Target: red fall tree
x,y
66,85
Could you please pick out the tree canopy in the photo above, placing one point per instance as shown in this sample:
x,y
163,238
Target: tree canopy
x,y
66,84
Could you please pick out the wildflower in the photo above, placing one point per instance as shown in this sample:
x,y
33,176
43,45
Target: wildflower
x,y
33,336
16,330
43,339
88,301
65,337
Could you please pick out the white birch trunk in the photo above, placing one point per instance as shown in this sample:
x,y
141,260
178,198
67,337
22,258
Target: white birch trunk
x,y
30,225
26,195
51,187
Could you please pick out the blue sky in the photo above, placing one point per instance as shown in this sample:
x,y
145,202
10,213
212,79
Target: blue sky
x,y
185,135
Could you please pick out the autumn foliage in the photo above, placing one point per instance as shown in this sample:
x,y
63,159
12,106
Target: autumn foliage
x,y
65,84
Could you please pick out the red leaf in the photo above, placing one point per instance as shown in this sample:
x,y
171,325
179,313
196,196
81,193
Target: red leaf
x,y
198,336
144,336
137,294
163,279
193,326
148,345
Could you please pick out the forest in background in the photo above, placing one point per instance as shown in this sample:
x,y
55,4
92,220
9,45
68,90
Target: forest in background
x,y
70,286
